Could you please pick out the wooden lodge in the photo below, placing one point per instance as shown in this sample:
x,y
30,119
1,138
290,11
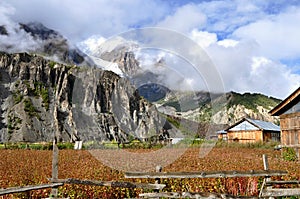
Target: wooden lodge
x,y
289,112
250,131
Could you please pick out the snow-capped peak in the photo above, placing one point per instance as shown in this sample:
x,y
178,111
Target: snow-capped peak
x,y
103,51
107,65
97,45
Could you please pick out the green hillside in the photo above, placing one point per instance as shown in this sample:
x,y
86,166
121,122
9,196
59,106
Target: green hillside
x,y
251,100
231,106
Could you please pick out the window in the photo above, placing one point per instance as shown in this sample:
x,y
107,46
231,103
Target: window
x,y
275,137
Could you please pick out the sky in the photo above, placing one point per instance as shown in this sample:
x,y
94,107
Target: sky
x,y
253,44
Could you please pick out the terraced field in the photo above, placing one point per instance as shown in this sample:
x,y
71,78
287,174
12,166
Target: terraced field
x,y
25,167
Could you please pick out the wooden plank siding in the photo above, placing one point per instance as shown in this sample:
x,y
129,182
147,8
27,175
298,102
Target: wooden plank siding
x,y
245,136
250,136
289,113
290,130
249,131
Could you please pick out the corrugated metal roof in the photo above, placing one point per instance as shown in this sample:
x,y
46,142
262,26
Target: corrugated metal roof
x,y
244,125
221,132
264,125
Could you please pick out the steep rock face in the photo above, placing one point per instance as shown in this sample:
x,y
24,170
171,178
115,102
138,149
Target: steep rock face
x,y
237,112
3,30
40,98
54,44
124,58
36,38
220,108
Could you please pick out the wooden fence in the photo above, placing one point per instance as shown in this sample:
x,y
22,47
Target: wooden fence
x,y
265,192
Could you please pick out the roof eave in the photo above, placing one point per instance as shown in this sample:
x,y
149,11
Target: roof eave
x,y
277,110
237,123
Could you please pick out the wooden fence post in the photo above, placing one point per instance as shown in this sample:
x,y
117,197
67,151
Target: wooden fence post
x,y
266,168
158,169
54,191
266,163
268,178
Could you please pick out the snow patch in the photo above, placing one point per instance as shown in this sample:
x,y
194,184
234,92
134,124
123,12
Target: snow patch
x,y
97,45
106,65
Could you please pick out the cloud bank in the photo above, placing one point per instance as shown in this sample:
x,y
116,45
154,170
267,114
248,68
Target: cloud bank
x,y
254,44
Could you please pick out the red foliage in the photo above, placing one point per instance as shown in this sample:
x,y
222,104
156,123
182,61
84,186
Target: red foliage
x,y
26,167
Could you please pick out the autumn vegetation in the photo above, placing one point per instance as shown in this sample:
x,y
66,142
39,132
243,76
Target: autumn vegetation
x,y
20,167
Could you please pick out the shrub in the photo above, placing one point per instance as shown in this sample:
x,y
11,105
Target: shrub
x,y
17,97
29,108
37,146
52,64
173,121
41,146
41,90
45,97
289,154
65,145
257,145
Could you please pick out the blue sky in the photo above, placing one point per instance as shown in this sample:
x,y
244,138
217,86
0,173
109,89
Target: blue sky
x,y
254,44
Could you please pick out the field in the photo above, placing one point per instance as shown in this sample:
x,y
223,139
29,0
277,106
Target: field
x,y
25,167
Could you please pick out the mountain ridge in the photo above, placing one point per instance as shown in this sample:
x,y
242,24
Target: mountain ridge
x,y
219,108
199,106
89,103
96,104
35,38
40,97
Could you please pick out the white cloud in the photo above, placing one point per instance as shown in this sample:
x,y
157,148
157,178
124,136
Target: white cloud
x,y
225,16
257,63
272,78
278,36
78,20
246,6
246,39
17,39
228,43
243,71
232,63
250,60
92,44
203,38
5,11
185,19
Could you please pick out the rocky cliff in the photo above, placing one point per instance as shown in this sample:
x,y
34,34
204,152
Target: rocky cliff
x,y
40,98
34,37
198,106
225,108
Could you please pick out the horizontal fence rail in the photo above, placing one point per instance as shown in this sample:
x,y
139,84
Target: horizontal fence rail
x,y
29,188
267,190
283,182
191,195
281,192
208,174
110,183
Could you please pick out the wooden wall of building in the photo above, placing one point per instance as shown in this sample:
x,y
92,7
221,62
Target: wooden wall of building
x,y
290,129
245,136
